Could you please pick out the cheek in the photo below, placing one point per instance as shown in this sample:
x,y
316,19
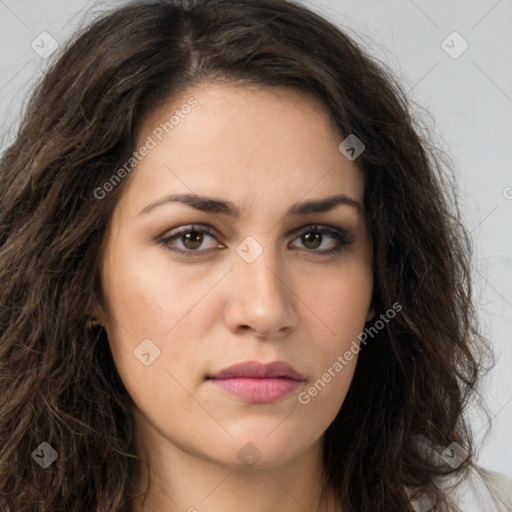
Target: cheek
x,y
147,294
340,296
334,361
324,395
342,305
152,312
149,299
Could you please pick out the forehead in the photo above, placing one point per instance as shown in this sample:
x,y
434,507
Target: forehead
x,y
259,145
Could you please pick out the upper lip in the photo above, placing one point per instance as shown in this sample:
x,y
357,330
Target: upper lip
x,y
256,369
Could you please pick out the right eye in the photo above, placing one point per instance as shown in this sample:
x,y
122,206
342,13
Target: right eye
x,y
190,237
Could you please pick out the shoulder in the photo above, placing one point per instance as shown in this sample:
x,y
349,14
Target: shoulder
x,y
477,490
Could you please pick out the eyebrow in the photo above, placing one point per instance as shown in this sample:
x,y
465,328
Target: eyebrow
x,y
214,205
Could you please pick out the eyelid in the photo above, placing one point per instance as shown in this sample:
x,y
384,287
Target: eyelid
x,y
186,228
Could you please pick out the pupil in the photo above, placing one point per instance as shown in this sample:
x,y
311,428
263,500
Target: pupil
x,y
309,237
190,237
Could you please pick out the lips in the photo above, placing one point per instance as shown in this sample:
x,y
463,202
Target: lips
x,y
254,369
256,382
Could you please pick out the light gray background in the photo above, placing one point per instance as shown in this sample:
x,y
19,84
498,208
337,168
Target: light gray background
x,y
469,96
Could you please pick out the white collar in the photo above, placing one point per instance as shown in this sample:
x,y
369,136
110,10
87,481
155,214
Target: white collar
x,y
469,494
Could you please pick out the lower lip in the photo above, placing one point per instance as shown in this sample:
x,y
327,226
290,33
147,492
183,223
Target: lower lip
x,y
257,390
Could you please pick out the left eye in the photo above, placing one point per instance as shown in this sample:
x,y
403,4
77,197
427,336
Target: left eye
x,y
191,238
313,238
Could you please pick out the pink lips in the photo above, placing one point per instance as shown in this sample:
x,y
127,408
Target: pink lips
x,y
257,382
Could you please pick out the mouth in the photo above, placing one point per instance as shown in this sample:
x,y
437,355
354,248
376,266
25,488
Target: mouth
x,y
257,382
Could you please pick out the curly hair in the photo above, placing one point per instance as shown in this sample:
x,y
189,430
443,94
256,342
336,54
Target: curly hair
x,y
58,382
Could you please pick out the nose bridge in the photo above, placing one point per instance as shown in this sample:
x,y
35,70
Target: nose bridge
x,y
261,296
258,267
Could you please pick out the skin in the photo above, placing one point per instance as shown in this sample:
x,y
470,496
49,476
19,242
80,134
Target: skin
x,y
263,149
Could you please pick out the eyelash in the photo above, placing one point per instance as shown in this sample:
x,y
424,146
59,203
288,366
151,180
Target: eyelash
x,y
342,237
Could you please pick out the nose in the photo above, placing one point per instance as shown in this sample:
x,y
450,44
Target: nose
x,y
260,298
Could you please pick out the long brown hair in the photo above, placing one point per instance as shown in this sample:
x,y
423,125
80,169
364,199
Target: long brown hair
x,y
58,383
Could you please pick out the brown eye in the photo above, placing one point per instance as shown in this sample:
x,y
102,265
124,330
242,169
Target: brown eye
x,y
192,239
314,237
189,239
312,240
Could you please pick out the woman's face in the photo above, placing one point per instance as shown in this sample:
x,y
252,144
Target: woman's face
x,y
259,286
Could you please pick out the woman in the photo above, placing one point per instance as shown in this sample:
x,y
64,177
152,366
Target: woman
x,y
234,277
